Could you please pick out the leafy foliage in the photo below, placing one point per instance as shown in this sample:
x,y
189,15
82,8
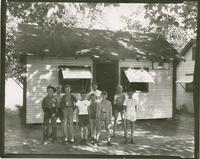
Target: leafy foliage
x,y
177,22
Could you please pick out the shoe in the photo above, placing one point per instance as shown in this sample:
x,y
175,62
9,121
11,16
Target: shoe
x,y
81,143
113,136
132,142
96,142
109,143
71,141
45,143
126,141
84,141
65,139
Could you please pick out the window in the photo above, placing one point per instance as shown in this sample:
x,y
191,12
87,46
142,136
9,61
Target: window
x,y
77,85
189,87
138,86
193,52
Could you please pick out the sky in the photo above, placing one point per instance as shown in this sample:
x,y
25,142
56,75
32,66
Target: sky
x,y
113,14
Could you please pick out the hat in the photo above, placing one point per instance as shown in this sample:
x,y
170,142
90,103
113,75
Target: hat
x,y
50,86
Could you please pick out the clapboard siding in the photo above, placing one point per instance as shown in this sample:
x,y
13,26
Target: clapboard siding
x,y
40,73
157,103
184,67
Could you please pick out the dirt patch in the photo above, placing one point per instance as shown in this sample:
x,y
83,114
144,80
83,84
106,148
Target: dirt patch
x,y
152,137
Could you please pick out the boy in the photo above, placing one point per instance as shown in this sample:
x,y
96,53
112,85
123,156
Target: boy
x,y
92,117
95,91
104,116
119,108
49,105
68,105
130,114
82,105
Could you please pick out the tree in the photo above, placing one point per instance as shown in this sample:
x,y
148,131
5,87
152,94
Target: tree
x,y
177,22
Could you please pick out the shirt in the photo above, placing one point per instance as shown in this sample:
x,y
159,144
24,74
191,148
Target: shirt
x,y
49,102
92,110
130,105
83,106
68,101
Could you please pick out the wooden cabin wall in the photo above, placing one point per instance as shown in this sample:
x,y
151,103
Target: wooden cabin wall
x,y
157,103
183,97
40,73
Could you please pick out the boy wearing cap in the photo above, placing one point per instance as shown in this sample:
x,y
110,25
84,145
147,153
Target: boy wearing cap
x,y
82,105
104,116
68,105
49,106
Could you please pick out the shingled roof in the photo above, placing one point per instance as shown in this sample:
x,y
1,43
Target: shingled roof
x,y
78,42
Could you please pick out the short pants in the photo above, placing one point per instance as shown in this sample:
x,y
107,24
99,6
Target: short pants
x,y
83,120
119,108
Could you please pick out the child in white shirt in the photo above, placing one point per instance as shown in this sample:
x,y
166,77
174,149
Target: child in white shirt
x,y
82,105
130,114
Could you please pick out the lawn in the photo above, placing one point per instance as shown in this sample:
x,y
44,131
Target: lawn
x,y
152,137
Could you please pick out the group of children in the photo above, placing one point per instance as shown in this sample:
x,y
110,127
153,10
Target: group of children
x,y
91,112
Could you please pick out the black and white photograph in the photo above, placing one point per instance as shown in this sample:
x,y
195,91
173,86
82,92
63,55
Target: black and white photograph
x,y
100,78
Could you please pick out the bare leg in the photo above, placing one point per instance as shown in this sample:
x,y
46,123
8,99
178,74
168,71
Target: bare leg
x,y
98,131
123,123
108,131
82,132
126,131
115,122
132,131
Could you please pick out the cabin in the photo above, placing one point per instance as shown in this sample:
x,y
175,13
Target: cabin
x,y
77,56
184,76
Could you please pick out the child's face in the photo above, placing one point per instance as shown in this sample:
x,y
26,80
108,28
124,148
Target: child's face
x,y
83,96
67,89
50,91
130,94
104,96
93,98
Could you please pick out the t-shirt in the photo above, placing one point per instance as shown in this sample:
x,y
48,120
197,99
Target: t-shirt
x,y
130,105
92,110
82,106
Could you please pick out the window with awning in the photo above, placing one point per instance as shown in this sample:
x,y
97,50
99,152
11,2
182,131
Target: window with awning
x,y
188,81
185,79
75,73
79,77
137,78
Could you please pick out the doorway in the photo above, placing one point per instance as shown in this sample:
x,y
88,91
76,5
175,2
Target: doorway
x,y
106,76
